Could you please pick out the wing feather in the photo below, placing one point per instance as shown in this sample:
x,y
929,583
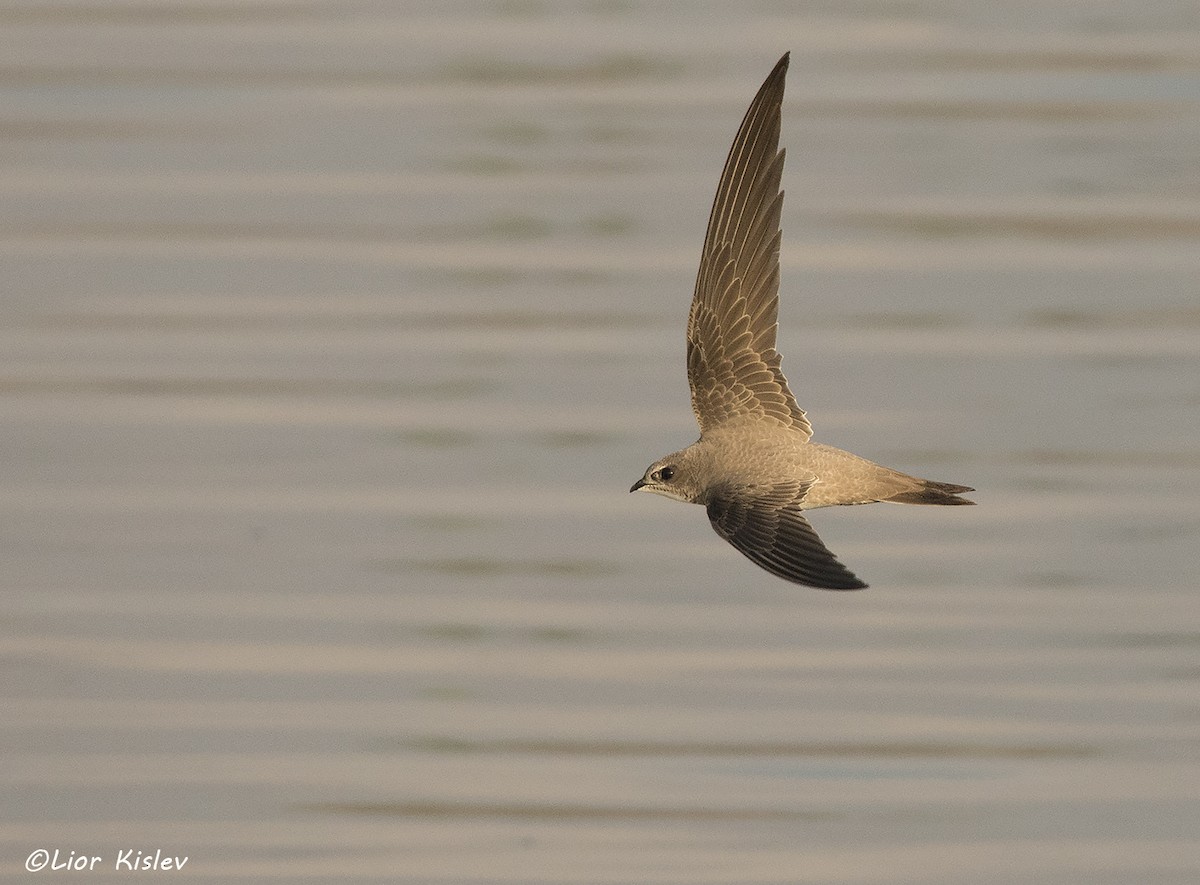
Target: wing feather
x,y
733,366
767,526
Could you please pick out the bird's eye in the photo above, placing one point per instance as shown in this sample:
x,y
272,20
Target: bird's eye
x,y
666,474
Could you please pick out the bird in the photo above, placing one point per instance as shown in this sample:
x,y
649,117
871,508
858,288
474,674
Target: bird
x,y
755,468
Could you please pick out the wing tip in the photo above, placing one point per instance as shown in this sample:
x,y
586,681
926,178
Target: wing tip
x,y
778,73
852,583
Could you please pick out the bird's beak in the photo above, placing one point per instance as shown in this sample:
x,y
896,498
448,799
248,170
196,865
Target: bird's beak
x,y
637,485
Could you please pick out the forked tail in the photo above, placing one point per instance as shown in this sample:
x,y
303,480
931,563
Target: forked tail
x,y
933,493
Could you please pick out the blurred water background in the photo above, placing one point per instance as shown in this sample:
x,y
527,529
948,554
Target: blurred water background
x,y
332,335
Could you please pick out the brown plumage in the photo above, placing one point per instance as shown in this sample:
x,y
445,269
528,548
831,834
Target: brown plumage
x,y
754,467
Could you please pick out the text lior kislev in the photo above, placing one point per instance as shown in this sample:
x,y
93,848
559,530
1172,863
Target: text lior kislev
x,y
127,859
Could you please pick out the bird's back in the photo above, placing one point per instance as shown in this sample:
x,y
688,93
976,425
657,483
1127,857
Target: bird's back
x,y
760,452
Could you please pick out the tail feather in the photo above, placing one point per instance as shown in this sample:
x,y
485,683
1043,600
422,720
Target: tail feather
x,y
932,492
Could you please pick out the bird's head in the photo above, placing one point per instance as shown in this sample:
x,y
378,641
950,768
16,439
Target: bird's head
x,y
674,476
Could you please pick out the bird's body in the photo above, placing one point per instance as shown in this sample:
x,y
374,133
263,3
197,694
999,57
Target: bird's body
x,y
832,475
755,467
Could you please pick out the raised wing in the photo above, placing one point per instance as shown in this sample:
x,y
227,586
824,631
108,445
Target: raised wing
x,y
733,367
767,526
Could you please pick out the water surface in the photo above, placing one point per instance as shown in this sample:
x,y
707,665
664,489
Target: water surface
x,y
334,334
